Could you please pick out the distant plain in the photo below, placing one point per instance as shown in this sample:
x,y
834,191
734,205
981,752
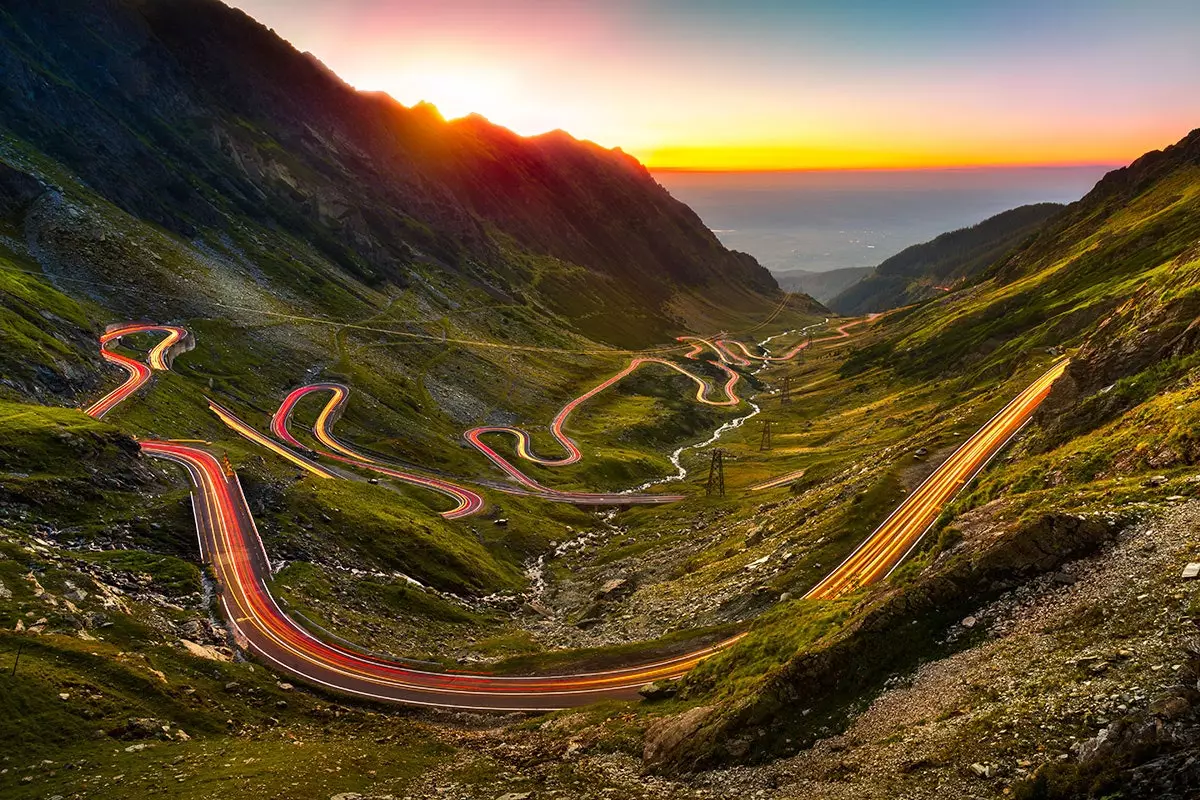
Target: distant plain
x,y
823,220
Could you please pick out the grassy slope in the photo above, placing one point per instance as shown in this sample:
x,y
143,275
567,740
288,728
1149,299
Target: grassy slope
x,y
268,314
65,709
926,377
41,330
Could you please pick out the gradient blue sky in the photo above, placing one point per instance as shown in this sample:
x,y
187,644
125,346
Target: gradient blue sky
x,y
756,84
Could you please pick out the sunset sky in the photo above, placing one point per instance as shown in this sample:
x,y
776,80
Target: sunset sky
x,y
702,84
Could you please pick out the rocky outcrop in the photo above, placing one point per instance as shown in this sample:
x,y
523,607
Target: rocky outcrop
x,y
1136,336
897,626
1142,334
17,190
1148,753
203,651
666,736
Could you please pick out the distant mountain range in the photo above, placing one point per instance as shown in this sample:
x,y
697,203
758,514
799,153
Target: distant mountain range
x,y
948,261
822,286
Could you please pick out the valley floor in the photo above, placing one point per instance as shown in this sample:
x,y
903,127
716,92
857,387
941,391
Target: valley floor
x,y
1063,673
1049,671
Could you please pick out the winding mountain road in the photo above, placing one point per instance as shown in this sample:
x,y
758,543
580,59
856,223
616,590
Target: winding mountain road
x,y
138,373
466,501
230,542
525,446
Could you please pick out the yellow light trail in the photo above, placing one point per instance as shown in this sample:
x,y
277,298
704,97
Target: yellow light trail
x,y
888,545
247,432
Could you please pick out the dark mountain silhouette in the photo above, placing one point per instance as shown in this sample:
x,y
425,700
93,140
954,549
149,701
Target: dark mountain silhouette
x,y
188,113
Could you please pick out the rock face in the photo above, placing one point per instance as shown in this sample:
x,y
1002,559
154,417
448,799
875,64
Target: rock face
x,y
203,651
615,588
665,737
1153,749
188,112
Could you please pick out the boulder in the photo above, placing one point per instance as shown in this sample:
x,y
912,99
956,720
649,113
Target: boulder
x,y
203,651
594,611
665,735
659,690
537,608
617,587
138,728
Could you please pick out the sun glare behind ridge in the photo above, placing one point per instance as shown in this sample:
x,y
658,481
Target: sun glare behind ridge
x,y
460,88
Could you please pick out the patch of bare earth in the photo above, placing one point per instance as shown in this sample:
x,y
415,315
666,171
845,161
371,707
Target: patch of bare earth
x,y
1057,661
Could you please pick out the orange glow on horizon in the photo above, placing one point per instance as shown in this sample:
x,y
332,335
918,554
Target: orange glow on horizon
x,y
768,86
462,92
458,97
773,158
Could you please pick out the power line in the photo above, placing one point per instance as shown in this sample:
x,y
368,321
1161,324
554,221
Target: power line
x,y
716,474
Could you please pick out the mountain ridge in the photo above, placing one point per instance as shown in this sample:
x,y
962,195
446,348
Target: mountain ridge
x,y
197,104
924,270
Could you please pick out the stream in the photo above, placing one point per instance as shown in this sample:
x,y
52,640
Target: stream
x,y
676,457
535,568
